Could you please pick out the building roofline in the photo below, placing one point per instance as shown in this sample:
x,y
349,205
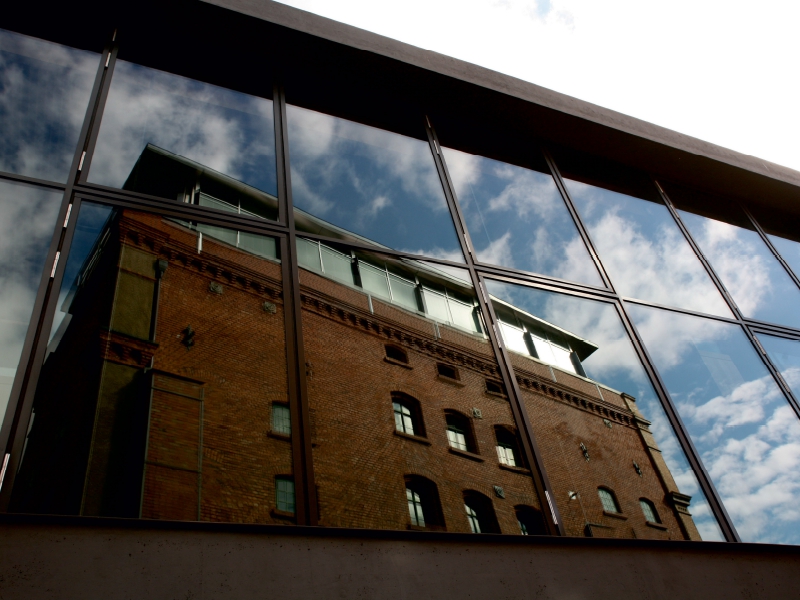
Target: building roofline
x,y
347,35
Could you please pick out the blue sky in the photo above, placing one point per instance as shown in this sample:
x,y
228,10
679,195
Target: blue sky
x,y
718,71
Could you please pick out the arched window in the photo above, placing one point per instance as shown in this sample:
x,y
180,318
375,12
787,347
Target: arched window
x,y
424,508
609,500
407,415
649,510
531,521
480,513
396,354
507,447
459,432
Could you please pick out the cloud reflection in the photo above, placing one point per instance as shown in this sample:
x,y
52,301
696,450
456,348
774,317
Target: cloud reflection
x,y
643,250
747,268
378,184
743,427
44,93
27,222
518,219
227,131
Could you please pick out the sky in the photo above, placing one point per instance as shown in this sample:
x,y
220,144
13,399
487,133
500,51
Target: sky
x,y
720,71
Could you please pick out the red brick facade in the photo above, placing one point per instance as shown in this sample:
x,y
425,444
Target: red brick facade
x,y
180,427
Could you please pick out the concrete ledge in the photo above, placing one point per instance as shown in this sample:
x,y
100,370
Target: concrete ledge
x,y
46,557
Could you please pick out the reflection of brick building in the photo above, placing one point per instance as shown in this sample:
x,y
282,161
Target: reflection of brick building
x,y
205,451
175,354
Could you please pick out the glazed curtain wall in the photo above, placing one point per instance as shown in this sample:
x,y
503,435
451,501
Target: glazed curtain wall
x,y
220,305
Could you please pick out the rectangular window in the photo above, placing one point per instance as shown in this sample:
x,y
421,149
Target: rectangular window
x,y
284,494
281,419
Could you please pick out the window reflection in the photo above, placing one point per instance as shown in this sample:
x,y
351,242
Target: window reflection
x,y
643,249
177,138
376,185
44,93
743,427
597,419
163,391
27,222
517,218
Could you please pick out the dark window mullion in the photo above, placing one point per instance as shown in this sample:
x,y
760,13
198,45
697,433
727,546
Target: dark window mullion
x,y
306,495
20,400
532,454
584,233
703,478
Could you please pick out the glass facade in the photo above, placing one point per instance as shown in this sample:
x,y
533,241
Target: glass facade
x,y
370,330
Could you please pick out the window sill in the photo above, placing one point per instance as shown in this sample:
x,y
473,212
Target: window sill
x,y
449,380
496,394
520,470
465,454
282,514
656,525
414,438
280,436
392,361
615,515
426,528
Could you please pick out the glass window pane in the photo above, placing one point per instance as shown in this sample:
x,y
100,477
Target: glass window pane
x,y
463,314
374,184
643,250
614,412
404,292
308,255
157,392
517,218
44,94
374,280
743,427
436,305
337,265
27,221
363,406
177,138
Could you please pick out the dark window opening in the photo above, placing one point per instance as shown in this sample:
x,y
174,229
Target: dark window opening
x,y
493,387
407,415
447,371
459,432
531,521
508,447
395,353
480,513
424,507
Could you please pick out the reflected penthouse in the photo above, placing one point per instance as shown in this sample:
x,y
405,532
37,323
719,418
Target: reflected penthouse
x,y
332,310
